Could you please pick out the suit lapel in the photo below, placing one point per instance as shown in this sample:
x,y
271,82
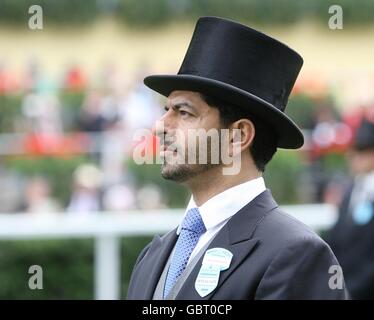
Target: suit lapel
x,y
150,269
240,251
235,236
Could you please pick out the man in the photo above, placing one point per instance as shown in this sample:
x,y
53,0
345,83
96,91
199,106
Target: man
x,y
352,237
233,242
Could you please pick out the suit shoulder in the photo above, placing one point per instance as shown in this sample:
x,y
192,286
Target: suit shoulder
x,y
279,229
146,248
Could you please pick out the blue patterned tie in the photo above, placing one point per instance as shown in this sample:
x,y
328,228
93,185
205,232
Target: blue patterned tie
x,y
191,230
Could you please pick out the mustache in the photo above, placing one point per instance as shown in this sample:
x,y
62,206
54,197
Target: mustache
x,y
169,143
166,141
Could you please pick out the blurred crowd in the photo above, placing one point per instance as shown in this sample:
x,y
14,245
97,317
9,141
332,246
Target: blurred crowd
x,y
77,114
73,115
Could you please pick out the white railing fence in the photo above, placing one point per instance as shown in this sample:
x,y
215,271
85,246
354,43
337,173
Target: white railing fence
x,y
107,229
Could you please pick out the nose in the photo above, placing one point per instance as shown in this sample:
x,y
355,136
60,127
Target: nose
x,y
161,126
158,129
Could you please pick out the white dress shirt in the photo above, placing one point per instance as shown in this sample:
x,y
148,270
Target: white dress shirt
x,y
220,208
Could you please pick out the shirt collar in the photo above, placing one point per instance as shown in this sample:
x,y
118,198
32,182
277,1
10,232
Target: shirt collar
x,y
225,204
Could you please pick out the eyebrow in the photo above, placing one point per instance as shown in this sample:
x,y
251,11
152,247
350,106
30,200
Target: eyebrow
x,y
177,106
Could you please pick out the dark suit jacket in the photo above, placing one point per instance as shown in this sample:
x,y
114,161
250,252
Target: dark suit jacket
x,y
353,245
274,257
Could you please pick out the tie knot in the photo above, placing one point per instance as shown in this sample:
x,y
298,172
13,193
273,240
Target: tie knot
x,y
193,221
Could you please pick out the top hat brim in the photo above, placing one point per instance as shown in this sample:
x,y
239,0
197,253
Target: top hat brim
x,y
289,136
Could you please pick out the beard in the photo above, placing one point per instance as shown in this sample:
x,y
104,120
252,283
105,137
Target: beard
x,y
181,171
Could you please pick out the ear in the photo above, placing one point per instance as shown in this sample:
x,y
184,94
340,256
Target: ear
x,y
242,133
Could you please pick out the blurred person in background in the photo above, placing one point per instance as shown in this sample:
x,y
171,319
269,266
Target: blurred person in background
x,y
330,136
114,150
85,196
119,198
352,237
74,79
150,197
42,111
141,108
38,197
8,81
90,118
11,195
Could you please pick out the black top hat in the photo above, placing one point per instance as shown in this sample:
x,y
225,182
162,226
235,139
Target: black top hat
x,y
364,137
242,66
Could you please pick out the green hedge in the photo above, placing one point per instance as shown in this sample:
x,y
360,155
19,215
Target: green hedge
x,y
284,170
67,267
158,12
176,195
282,176
71,103
301,109
10,109
58,171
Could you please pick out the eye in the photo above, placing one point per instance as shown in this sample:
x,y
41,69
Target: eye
x,y
184,113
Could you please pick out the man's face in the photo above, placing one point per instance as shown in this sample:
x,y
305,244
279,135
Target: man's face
x,y
185,113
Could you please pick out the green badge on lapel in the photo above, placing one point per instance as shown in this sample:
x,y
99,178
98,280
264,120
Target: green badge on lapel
x,y
215,260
